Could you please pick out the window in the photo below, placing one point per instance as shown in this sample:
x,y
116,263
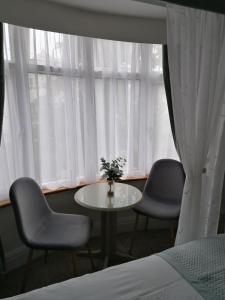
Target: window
x,y
71,100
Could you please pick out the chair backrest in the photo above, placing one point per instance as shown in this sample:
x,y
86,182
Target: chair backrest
x,y
166,181
30,207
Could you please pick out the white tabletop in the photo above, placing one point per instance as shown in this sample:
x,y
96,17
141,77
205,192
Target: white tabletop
x,y
95,196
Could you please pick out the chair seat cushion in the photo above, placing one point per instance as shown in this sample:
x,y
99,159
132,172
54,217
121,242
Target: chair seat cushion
x,y
62,232
155,208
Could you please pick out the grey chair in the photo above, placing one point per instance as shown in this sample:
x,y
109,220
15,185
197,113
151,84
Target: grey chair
x,y
41,228
162,194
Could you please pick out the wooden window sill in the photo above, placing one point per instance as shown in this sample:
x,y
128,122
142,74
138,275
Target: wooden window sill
x,y
7,202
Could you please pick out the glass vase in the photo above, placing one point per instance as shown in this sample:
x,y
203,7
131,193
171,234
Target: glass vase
x,y
110,190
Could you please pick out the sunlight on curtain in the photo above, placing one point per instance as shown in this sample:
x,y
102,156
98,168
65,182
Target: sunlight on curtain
x,y
71,100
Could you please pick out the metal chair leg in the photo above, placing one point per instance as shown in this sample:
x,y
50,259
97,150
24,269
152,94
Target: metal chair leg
x,y
146,223
2,255
29,259
91,257
74,263
134,234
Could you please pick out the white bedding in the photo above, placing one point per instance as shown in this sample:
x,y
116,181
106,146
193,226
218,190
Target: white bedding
x,y
149,278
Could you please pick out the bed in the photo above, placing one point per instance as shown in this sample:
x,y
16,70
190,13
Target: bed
x,y
192,271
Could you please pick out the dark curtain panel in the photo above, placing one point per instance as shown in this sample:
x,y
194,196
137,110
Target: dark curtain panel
x,y
1,79
166,76
210,5
2,87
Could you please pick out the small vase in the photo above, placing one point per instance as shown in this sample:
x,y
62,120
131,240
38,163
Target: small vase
x,y
110,191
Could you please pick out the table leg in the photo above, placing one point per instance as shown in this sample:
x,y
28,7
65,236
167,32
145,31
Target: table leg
x,y
108,226
108,239
108,250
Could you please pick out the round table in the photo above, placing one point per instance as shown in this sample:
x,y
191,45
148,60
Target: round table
x,y
95,196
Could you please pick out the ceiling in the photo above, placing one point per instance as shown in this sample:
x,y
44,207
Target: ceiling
x,y
118,7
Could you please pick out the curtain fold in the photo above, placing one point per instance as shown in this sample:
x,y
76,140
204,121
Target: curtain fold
x,y
74,100
166,77
2,85
196,48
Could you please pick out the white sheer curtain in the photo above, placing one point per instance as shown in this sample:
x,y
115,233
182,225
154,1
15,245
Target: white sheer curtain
x,y
71,100
196,47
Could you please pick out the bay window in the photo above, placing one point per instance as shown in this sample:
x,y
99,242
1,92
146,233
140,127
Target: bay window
x,y
71,100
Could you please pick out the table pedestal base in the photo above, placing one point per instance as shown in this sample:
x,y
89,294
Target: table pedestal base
x,y
109,240
108,251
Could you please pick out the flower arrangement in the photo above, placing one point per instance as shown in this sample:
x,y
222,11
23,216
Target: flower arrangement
x,y
112,170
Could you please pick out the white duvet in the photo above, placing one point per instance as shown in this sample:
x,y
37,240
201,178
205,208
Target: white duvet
x,y
149,278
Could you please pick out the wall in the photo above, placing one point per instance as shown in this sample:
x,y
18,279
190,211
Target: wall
x,y
49,16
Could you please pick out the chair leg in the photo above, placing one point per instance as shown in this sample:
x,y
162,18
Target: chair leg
x,y
134,234
27,267
146,223
74,263
46,256
91,258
